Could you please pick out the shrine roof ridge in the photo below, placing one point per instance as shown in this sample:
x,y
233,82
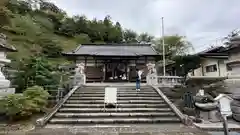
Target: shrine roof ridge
x,y
114,49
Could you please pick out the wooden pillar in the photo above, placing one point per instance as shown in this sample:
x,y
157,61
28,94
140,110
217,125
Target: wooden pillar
x,y
128,72
135,63
85,64
145,60
104,72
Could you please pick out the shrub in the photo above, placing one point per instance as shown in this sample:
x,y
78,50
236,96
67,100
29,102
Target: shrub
x,y
50,48
38,97
18,106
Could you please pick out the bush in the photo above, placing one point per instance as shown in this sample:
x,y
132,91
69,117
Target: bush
x,y
16,106
38,97
50,48
19,106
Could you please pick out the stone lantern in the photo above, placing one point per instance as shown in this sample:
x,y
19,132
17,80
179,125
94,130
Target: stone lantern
x,y
4,83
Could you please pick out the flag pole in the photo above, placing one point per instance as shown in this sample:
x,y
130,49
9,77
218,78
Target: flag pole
x,y
163,43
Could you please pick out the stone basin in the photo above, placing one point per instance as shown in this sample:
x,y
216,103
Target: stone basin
x,y
207,106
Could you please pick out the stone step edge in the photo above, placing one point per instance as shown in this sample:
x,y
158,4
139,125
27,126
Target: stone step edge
x,y
119,102
112,120
166,114
64,109
97,105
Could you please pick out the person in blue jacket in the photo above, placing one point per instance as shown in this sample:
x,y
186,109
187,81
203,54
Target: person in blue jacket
x,y
138,79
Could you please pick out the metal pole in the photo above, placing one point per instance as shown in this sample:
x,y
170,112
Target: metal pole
x,y
163,43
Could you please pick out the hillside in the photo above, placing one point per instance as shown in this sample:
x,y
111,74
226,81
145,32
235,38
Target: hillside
x,y
26,30
49,28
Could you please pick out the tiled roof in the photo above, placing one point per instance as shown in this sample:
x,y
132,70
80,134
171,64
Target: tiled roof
x,y
4,46
114,50
214,52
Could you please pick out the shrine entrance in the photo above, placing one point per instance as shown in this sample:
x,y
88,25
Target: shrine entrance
x,y
116,71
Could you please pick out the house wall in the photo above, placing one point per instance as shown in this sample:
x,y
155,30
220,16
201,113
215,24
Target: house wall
x,y
220,66
234,56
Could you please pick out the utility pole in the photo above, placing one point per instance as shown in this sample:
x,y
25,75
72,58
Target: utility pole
x,y
163,43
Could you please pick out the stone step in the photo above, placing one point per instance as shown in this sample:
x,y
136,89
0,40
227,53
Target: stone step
x,y
88,110
102,92
119,105
84,115
119,95
124,90
119,102
113,120
118,98
119,88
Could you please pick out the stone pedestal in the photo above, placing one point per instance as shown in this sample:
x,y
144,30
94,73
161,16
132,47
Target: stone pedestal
x,y
79,79
4,83
6,91
152,79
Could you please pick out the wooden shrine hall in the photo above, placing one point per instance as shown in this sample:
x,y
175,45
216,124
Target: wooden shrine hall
x,y
113,62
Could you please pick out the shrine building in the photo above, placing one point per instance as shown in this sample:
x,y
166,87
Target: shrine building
x,y
113,62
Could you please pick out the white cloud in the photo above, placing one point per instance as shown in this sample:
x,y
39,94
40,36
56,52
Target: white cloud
x,y
202,21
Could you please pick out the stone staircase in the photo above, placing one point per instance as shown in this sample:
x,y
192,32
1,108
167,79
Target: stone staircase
x,y
85,106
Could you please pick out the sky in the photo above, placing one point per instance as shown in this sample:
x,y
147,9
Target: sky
x,y
203,22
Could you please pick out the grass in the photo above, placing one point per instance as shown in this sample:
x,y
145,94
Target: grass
x,y
25,30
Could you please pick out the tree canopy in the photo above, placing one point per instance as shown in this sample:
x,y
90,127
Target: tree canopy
x,y
174,45
186,63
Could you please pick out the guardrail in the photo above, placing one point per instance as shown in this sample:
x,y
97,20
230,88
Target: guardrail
x,y
168,81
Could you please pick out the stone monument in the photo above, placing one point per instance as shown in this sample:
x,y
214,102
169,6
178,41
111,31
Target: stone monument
x,y
79,77
4,83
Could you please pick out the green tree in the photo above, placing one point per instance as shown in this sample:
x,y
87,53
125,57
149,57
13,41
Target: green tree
x,y
130,36
35,70
19,6
145,38
50,48
231,35
186,63
82,39
4,13
50,7
174,45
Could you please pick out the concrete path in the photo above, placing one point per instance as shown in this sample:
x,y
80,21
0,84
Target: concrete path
x,y
171,129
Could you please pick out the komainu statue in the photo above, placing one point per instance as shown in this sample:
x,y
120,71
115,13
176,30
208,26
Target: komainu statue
x,y
80,68
151,68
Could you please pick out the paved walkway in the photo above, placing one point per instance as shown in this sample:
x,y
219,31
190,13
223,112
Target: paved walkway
x,y
171,129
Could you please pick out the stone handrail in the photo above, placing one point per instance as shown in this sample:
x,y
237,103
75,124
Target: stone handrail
x,y
42,121
171,105
169,80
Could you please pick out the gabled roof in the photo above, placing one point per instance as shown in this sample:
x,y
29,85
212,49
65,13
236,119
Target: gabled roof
x,y
114,50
